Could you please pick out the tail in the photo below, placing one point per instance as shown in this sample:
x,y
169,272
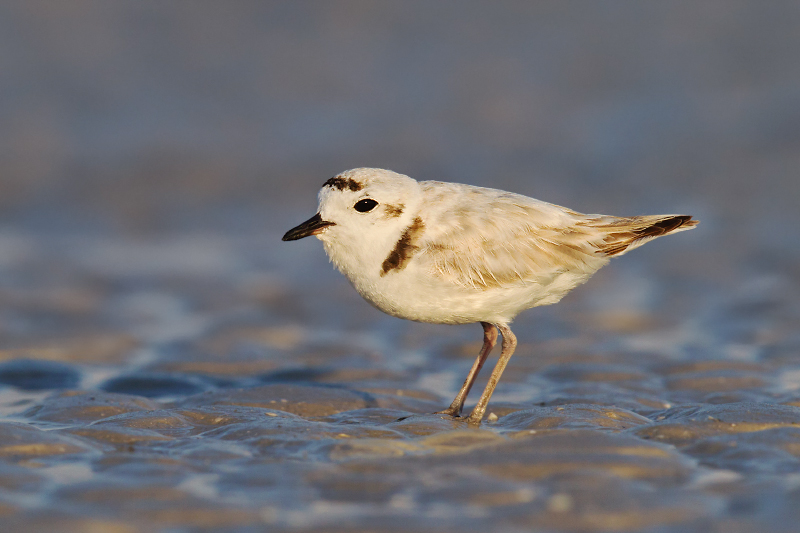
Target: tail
x,y
625,234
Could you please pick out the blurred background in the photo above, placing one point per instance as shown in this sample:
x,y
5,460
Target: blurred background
x,y
144,120
152,154
141,140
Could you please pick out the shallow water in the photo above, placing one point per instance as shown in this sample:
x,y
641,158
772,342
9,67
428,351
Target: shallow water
x,y
167,364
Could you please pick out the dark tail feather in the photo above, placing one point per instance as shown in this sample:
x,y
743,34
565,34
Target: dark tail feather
x,y
628,233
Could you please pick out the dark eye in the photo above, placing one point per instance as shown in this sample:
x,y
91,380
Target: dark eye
x,y
367,204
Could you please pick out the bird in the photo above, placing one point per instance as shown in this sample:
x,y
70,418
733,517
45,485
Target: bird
x,y
449,253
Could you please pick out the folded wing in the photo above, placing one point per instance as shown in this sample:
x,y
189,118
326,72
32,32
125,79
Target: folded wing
x,y
484,238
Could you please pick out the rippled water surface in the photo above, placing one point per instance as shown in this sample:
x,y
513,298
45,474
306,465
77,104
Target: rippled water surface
x,y
167,364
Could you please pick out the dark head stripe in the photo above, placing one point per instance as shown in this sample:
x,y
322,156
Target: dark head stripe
x,y
338,182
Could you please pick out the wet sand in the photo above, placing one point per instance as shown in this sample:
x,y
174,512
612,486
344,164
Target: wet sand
x,y
167,364
236,424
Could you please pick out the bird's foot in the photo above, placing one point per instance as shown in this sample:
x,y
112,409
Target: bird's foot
x,y
473,420
451,411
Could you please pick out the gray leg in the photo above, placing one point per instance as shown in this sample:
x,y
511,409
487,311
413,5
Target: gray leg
x,y
489,340
509,345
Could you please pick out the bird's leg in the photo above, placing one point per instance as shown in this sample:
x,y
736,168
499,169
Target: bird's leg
x,y
509,345
489,340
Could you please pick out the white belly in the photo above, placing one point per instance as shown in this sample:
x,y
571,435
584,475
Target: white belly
x,y
415,295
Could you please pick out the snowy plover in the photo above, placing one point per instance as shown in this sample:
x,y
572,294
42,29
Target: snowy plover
x,y
448,253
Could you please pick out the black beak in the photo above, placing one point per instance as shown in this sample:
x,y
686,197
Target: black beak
x,y
312,226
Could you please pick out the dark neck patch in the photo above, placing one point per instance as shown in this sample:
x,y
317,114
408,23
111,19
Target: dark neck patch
x,y
338,182
405,248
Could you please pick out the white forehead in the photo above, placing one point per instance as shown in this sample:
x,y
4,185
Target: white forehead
x,y
377,183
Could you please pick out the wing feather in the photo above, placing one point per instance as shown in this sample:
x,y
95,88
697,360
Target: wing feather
x,y
484,238
625,234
